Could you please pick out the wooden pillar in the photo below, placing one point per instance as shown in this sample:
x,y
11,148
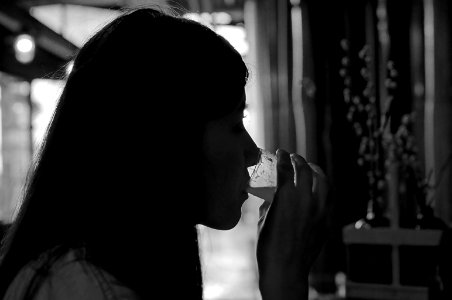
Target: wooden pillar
x,y
438,103
274,57
254,86
15,146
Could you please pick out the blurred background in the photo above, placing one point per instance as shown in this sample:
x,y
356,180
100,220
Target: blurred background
x,y
360,87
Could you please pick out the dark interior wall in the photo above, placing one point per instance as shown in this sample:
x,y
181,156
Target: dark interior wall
x,y
391,39
441,92
53,51
44,65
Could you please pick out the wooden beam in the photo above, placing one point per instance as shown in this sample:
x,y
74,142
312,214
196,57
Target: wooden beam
x,y
194,5
93,3
438,107
18,20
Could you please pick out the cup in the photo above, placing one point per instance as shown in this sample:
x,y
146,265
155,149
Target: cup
x,y
263,176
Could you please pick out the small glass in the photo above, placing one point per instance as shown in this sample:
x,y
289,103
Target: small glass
x,y
263,176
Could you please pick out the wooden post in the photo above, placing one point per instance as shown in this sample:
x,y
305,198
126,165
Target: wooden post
x,y
297,77
438,106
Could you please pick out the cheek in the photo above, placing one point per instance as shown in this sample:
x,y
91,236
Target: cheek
x,y
223,177
227,168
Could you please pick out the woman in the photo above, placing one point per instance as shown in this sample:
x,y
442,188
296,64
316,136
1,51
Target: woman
x,y
147,141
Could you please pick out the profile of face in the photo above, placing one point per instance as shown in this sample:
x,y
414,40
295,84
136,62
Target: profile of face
x,y
228,151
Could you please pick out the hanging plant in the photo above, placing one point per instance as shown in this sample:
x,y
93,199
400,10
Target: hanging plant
x,y
378,147
363,115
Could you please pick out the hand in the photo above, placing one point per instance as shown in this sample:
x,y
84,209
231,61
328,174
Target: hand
x,y
292,229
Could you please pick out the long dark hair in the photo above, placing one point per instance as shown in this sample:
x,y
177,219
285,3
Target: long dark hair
x,y
118,170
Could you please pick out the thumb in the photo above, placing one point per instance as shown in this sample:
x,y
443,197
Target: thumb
x,y
263,212
285,171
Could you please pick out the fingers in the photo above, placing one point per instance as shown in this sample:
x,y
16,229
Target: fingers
x,y
263,212
311,180
308,178
303,172
320,185
285,171
317,169
293,168
294,226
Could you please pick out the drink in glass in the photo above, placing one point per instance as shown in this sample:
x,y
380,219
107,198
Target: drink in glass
x,y
263,176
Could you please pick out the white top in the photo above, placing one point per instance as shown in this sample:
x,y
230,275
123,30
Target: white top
x,y
71,277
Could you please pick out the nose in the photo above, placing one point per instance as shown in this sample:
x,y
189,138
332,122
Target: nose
x,y
252,153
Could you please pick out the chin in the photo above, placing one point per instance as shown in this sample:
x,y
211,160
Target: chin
x,y
224,224
230,225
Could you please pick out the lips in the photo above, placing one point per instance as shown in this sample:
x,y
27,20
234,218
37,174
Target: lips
x,y
244,196
248,179
245,186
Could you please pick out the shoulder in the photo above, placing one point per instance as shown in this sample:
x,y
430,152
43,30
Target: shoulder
x,y
70,277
